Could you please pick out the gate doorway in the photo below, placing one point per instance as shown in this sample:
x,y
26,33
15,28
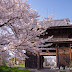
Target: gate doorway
x,y
48,58
49,61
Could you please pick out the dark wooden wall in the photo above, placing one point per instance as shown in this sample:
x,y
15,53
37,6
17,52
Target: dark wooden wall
x,y
63,56
31,62
58,33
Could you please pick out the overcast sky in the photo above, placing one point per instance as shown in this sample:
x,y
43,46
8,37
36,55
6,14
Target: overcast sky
x,y
60,8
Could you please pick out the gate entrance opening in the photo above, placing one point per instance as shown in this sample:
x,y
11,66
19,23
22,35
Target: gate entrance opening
x,y
49,61
48,58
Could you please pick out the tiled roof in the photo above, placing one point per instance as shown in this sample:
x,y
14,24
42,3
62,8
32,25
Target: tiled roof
x,y
57,22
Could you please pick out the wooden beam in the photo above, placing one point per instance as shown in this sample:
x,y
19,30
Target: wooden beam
x,y
49,53
47,48
59,41
60,27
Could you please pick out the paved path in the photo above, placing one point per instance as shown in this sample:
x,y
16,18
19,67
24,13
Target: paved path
x,y
40,70
43,70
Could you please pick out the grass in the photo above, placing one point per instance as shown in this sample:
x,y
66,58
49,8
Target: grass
x,y
6,64
19,65
11,69
22,65
62,71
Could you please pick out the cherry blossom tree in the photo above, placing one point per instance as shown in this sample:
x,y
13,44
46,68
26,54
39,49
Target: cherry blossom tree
x,y
20,28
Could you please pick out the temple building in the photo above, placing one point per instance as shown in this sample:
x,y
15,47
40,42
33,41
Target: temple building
x,y
61,29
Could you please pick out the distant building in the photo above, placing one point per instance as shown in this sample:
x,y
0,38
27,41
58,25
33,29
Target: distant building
x,y
16,61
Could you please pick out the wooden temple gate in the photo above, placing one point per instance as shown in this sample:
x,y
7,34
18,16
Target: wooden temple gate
x,y
62,40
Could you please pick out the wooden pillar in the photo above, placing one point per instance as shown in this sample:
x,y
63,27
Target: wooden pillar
x,y
41,61
70,52
57,56
38,61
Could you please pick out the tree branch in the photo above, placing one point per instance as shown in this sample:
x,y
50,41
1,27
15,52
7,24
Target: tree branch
x,y
8,21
